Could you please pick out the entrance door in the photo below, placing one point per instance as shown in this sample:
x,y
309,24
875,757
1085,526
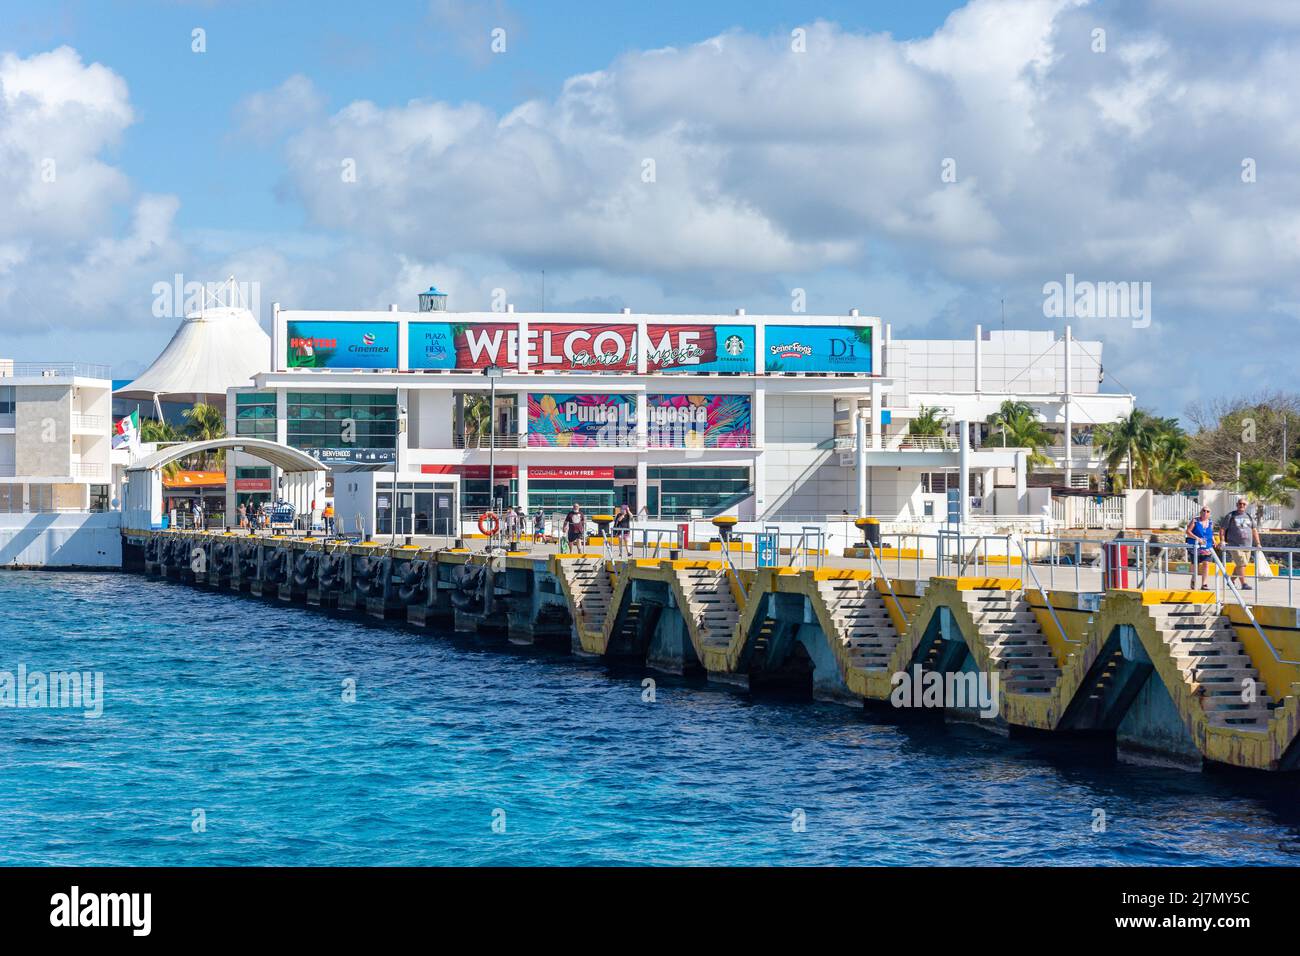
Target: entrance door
x,y
652,498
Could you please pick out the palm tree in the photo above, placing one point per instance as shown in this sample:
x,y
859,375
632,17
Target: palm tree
x,y
157,430
206,422
1132,441
929,422
1261,481
478,419
1019,427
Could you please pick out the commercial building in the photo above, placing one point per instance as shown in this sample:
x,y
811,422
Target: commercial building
x,y
428,414
54,437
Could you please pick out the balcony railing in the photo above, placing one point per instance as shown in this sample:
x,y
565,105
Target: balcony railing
x,y
89,422
500,440
83,469
849,443
52,370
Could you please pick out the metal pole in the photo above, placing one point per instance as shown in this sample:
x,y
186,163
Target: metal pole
x,y
492,441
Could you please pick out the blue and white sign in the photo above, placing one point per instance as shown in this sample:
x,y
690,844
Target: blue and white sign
x,y
765,546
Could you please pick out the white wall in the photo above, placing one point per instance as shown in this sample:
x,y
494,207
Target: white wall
x,y
61,540
794,426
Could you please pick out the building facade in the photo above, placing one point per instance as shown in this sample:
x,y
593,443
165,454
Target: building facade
x,y
55,427
763,416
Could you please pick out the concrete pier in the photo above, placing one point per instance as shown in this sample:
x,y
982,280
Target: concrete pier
x,y
1168,675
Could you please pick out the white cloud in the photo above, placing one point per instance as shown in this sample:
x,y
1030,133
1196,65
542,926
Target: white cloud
x,y
267,115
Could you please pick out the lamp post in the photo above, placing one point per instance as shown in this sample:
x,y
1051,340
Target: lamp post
x,y
392,505
492,372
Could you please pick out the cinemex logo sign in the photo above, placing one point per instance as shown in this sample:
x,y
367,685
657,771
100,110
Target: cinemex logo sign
x,y
368,344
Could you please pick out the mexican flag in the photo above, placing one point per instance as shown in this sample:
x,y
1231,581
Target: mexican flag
x,y
127,431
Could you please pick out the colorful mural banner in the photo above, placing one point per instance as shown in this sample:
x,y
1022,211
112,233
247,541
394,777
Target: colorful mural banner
x,y
698,421
551,346
818,348
341,345
573,421
700,348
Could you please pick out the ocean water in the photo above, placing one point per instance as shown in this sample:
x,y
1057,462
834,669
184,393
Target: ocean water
x,y
225,738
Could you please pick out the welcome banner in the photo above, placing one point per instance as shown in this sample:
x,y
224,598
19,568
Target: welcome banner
x,y
562,420
551,346
698,421
567,347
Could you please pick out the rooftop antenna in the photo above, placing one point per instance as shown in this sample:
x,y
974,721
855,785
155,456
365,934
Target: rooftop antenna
x,y
543,290
1004,314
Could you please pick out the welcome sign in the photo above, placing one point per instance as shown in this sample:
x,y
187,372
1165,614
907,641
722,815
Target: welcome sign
x,y
818,348
341,345
550,346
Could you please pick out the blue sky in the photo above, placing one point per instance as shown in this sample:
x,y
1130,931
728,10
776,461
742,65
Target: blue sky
x,y
820,171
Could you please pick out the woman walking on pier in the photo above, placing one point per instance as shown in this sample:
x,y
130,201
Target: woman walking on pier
x,y
1200,539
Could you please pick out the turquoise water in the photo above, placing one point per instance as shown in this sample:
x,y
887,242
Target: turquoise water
x,y
233,706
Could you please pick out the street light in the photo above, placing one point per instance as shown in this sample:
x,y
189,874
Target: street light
x,y
392,504
493,372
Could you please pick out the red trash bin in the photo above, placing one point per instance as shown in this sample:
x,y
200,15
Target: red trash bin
x,y
1116,566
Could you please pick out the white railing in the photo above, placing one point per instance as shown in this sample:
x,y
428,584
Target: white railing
x,y
849,443
82,469
89,422
52,370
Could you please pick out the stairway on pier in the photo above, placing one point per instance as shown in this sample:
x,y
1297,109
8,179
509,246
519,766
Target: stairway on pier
x,y
710,603
862,622
1204,646
591,592
1016,644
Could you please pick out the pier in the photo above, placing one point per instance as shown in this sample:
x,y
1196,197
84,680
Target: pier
x,y
1170,675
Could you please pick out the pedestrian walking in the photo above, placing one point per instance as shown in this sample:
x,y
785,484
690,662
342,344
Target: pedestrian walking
x,y
623,530
1200,541
575,523
1240,537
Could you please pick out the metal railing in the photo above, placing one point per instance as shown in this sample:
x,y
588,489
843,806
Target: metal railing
x,y
904,442
81,469
1027,567
1250,615
884,575
53,370
90,422
500,440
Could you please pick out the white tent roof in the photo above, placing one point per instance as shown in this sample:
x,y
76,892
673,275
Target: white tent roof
x,y
211,351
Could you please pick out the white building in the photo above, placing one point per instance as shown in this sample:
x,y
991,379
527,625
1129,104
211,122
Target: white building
x,y
765,417
55,429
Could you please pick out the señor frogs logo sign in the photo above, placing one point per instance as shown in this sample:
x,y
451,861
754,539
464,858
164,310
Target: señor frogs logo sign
x,y
818,348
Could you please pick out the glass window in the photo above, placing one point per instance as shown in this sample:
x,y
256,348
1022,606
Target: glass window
x,y
6,399
708,490
342,420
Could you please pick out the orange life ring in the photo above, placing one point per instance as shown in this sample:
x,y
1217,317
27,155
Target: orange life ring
x,y
486,519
